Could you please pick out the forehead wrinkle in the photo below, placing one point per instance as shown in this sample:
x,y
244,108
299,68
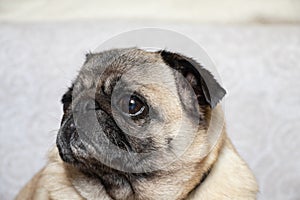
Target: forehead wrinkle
x,y
140,66
151,73
110,83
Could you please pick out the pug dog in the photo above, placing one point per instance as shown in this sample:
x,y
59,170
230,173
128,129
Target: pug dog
x,y
140,125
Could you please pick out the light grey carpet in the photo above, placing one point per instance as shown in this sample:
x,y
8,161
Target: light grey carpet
x,y
259,66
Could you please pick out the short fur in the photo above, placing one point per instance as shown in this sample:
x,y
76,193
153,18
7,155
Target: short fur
x,y
74,170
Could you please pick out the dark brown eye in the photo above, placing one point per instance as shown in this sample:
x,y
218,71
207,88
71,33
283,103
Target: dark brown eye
x,y
132,105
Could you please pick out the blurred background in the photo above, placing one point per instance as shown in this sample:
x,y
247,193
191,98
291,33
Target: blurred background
x,y
196,11
254,44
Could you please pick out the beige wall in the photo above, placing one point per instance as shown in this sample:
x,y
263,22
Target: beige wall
x,y
216,11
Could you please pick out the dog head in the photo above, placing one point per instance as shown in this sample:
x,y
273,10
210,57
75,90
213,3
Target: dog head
x,y
131,113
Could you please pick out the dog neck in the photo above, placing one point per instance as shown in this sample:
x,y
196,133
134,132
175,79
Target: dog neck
x,y
215,171
162,185
172,183
229,177
176,182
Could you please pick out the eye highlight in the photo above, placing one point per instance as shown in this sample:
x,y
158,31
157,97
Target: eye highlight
x,y
132,106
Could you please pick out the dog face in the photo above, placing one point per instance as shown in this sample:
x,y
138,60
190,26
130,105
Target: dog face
x,y
130,113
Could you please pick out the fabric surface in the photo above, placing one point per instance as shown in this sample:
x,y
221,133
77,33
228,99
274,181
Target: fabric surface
x,y
259,67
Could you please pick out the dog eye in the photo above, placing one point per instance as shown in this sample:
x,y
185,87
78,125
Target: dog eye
x,y
132,105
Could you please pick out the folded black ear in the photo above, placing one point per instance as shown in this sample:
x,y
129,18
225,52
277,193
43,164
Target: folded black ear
x,y
67,98
205,86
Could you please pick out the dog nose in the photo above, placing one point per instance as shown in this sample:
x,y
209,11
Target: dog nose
x,y
64,138
72,126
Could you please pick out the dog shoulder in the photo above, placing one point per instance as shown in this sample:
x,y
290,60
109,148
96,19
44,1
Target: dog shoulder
x,y
230,178
32,189
50,183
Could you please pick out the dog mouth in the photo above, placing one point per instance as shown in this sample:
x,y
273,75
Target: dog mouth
x,y
63,141
71,150
102,152
117,184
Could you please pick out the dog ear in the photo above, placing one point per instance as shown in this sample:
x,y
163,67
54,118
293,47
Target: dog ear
x,y
67,99
208,90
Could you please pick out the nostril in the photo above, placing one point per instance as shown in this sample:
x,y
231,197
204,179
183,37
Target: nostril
x,y
72,126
